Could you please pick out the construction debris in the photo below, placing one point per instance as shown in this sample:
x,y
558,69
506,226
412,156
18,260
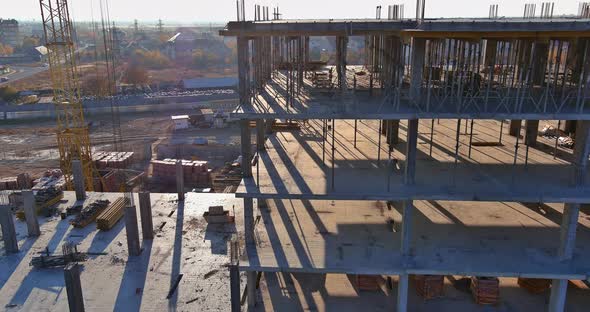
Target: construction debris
x,y
368,282
89,213
485,290
216,214
44,199
112,214
69,254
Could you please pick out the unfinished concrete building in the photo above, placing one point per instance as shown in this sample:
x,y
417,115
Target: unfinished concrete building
x,y
425,160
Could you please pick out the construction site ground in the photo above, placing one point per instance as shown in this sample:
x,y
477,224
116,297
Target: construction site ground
x,y
184,244
30,146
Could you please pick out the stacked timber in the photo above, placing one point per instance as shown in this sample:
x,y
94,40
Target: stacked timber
x,y
194,172
534,285
89,213
112,214
485,290
115,160
429,286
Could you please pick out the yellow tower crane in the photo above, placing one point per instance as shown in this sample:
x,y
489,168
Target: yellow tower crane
x,y
73,138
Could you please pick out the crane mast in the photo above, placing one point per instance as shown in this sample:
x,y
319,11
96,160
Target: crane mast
x,y
73,137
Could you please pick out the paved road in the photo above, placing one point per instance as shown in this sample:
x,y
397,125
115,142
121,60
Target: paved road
x,y
21,72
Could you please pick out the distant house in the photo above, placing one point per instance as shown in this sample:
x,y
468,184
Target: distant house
x,y
40,54
4,70
180,122
183,44
209,83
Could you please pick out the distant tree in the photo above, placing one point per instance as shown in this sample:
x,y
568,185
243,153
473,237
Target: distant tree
x,y
30,43
203,59
8,93
135,75
150,59
6,49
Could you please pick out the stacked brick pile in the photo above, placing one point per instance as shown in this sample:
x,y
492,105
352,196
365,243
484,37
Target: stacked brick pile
x,y
429,286
485,290
116,160
10,183
195,172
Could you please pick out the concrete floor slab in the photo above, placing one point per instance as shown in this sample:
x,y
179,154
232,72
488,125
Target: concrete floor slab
x,y
463,238
298,165
116,282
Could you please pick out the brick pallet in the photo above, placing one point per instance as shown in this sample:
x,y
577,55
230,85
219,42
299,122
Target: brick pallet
x,y
194,172
534,285
114,160
111,215
429,286
485,290
367,282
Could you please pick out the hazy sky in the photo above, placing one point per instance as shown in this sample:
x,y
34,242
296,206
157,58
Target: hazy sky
x,y
191,11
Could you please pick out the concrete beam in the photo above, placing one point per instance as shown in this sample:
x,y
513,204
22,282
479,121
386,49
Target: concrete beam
x,y
8,229
145,210
260,135
74,287
79,184
515,126
246,140
31,214
132,231
180,180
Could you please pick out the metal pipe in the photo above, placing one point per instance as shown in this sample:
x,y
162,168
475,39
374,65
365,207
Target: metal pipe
x,y
501,130
557,139
471,137
333,151
355,131
456,151
379,144
431,137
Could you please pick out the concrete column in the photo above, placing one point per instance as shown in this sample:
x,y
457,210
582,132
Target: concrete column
x,y
251,287
384,125
31,214
180,180
132,231
8,230
234,279
558,295
515,126
341,51
260,138
418,50
393,132
249,220
569,126
541,53
581,153
74,287
411,152
246,148
268,126
79,184
243,70
569,223
402,293
145,210
531,132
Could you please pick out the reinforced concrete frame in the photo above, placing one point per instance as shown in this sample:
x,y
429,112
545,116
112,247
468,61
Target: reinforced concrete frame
x,y
463,69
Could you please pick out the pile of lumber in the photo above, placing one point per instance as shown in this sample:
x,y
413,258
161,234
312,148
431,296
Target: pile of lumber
x,y
117,160
429,286
43,199
112,214
89,213
229,177
9,183
485,290
216,214
534,285
194,172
